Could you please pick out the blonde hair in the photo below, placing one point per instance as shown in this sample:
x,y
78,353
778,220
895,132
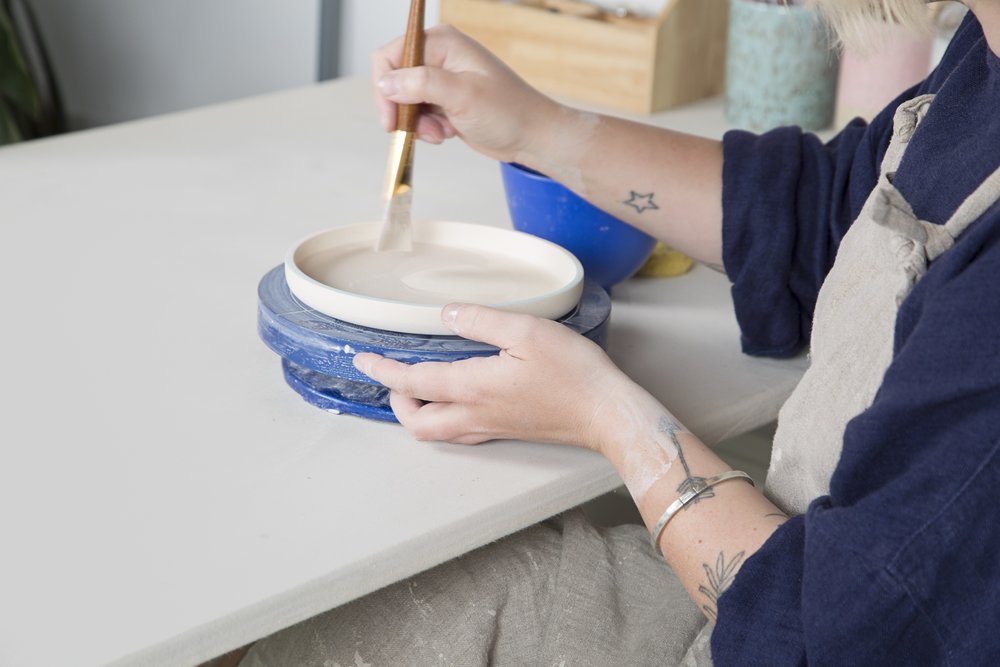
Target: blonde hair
x,y
855,22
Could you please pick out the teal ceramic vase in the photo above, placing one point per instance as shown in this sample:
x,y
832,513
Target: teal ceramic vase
x,y
781,68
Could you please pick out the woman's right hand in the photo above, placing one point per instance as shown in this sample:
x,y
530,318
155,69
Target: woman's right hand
x,y
469,93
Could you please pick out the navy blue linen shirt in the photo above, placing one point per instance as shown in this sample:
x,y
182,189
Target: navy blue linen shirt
x,y
900,563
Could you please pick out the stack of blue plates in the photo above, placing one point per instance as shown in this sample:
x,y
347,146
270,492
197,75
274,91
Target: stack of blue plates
x,y
316,350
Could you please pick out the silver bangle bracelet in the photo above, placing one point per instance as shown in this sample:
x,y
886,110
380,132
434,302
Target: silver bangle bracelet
x,y
699,488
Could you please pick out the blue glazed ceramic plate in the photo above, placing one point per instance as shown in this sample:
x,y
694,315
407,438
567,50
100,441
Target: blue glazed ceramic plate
x,y
317,350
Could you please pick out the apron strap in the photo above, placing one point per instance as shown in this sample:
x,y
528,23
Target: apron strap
x,y
891,210
904,123
918,241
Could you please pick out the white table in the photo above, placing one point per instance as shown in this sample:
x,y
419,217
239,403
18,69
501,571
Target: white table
x,y
164,496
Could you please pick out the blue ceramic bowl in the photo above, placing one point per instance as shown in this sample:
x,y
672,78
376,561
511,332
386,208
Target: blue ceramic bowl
x,y
610,250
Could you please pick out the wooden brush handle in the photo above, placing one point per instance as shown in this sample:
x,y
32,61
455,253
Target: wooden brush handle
x,y
413,56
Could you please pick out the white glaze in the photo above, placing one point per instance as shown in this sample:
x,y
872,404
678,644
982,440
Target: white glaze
x,y
430,274
652,452
338,273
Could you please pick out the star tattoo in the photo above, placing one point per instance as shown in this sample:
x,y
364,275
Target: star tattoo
x,y
641,202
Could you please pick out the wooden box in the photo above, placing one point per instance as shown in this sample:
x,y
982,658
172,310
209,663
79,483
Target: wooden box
x,y
634,64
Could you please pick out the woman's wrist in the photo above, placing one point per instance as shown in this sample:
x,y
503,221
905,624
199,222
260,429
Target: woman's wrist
x,y
619,417
557,139
653,452
656,456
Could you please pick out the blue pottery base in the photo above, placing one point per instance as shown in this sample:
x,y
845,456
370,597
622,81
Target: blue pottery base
x,y
338,395
317,350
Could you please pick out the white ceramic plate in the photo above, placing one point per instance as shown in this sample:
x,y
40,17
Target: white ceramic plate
x,y
338,273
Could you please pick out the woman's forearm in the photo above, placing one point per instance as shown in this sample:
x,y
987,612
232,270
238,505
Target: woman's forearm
x,y
707,542
665,183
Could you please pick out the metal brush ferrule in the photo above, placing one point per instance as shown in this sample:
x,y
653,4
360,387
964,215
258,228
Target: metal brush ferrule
x,y
399,171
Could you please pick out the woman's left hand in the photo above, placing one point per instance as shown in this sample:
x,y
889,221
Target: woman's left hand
x,y
548,383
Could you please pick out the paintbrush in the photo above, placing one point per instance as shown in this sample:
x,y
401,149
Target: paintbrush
x,y
396,232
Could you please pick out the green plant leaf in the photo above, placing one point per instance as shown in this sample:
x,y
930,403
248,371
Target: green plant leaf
x,y
23,107
9,131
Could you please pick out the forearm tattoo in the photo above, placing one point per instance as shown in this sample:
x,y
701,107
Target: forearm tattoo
x,y
641,202
672,428
717,580
719,577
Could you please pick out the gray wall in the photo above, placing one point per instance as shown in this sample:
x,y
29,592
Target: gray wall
x,y
120,60
124,59
368,24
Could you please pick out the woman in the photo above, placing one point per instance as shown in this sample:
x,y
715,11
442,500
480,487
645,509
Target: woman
x,y
885,458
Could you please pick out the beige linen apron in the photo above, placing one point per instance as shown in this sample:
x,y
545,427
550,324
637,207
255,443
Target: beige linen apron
x,y
880,260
